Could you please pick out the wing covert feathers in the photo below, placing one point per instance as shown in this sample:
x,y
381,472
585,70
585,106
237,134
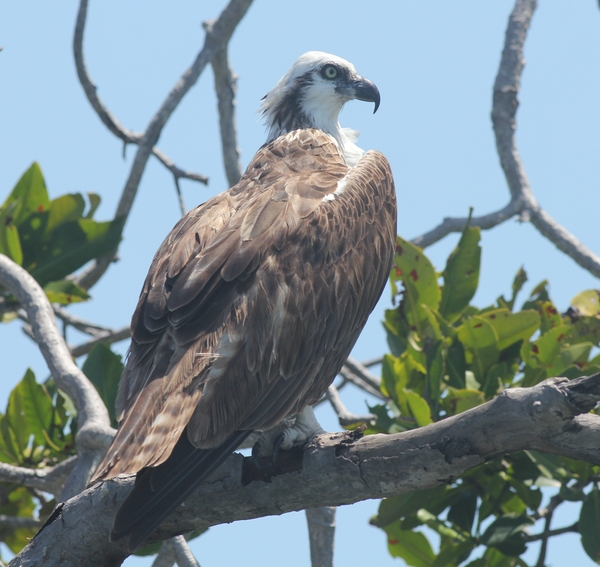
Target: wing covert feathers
x,y
253,302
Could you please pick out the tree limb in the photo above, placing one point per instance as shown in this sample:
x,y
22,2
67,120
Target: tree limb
x,y
109,337
226,87
321,532
504,110
90,89
49,479
340,468
218,34
345,417
94,433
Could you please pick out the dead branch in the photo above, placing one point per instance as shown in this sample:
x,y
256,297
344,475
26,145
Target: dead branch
x,y
340,468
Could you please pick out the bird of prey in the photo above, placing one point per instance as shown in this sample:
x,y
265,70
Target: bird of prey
x,y
255,299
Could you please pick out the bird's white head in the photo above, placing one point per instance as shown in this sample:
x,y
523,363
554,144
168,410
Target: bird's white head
x,y
311,95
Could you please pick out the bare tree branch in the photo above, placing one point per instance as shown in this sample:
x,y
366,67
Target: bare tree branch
x,y
109,337
90,89
218,34
453,224
165,557
182,552
226,86
504,110
321,532
49,479
362,372
341,468
94,433
358,381
345,417
78,323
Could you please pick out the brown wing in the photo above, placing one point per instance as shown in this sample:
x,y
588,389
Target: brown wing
x,y
254,300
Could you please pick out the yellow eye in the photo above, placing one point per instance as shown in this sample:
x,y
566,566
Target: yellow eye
x,y
329,72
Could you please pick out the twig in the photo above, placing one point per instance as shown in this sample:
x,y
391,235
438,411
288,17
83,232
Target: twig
x,y
90,89
183,553
372,361
321,532
16,522
348,375
226,86
94,433
49,479
111,336
360,370
547,534
345,417
78,323
452,224
218,34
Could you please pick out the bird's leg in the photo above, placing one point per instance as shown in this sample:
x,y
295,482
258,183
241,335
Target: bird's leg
x,y
289,433
303,430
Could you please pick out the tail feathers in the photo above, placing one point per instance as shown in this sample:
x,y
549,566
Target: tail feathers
x,y
159,490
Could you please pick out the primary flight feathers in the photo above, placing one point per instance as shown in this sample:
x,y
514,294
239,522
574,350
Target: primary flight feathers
x,y
256,298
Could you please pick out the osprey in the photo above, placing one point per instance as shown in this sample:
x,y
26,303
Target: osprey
x,y
256,297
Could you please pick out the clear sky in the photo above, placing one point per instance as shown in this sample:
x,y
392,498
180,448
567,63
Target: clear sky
x,y
434,62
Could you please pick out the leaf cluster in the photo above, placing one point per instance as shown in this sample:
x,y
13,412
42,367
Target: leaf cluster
x,y
448,356
52,238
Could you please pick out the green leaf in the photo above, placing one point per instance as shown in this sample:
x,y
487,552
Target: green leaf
x,y
72,245
417,274
418,407
64,209
506,534
589,524
30,193
413,547
400,507
587,302
103,367
458,401
462,512
10,243
461,276
480,340
18,502
512,327
95,201
550,316
456,365
543,354
65,292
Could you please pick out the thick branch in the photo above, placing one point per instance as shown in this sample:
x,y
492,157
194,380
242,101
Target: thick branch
x,y
50,479
95,432
321,532
226,86
340,468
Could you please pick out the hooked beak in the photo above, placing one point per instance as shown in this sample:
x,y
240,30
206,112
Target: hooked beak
x,y
367,91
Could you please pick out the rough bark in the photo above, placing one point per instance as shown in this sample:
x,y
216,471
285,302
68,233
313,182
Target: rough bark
x,y
341,468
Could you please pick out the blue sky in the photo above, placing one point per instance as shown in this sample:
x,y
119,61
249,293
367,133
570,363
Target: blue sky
x,y
434,62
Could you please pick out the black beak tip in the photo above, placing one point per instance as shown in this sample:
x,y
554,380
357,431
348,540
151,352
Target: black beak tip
x,y
366,90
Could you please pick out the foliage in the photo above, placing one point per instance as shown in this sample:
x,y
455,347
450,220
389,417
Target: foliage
x,y
53,238
448,356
